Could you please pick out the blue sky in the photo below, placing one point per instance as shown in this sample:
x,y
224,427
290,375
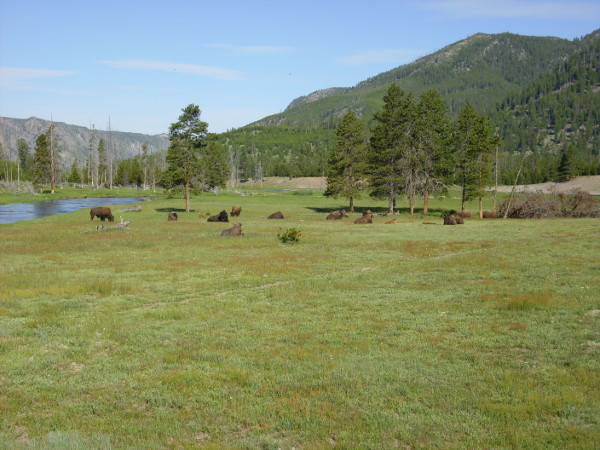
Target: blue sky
x,y
140,62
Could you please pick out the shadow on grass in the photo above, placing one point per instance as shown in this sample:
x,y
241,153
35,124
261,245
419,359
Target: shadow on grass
x,y
177,210
383,210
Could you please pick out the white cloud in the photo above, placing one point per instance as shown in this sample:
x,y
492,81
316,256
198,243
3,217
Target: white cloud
x,y
193,69
254,49
15,74
530,9
393,56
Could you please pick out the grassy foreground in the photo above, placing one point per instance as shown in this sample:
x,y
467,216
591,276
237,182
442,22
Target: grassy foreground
x,y
402,335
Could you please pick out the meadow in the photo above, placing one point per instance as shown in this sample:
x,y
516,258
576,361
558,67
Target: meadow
x,y
403,335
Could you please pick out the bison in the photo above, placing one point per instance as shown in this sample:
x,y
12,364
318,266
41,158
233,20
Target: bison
x,y
102,212
172,216
367,217
236,230
276,215
337,215
463,214
489,214
453,219
221,217
236,210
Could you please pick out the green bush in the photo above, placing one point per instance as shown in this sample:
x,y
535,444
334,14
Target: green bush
x,y
289,235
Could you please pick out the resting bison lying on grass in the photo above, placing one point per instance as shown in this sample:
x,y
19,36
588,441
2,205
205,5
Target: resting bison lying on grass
x,y
236,211
221,217
172,216
367,217
463,214
236,230
453,219
102,212
276,215
337,215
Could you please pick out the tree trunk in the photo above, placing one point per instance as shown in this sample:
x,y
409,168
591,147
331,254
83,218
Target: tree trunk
x,y
411,202
480,207
392,199
426,204
464,193
187,196
351,205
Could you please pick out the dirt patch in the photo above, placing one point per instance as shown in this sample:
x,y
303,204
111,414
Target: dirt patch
x,y
294,183
588,184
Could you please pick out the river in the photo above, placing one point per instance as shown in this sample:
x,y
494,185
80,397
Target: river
x,y
17,212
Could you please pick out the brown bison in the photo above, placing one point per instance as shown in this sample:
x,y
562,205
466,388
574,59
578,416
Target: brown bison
x,y
102,212
453,219
236,230
489,214
172,216
367,217
276,215
337,215
463,214
221,217
236,211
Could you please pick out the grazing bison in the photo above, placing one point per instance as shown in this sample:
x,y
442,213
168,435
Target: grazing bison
x,y
236,230
463,214
453,219
102,212
337,215
489,214
221,217
276,215
172,216
236,210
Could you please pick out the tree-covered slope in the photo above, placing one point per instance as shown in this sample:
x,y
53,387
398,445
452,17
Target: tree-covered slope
x,y
482,69
558,111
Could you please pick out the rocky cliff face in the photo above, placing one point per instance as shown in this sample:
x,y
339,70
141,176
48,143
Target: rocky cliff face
x,y
74,140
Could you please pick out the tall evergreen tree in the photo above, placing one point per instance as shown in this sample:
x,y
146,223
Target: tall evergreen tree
x,y
25,159
389,139
74,174
432,133
567,168
215,169
42,161
102,163
475,143
187,137
346,171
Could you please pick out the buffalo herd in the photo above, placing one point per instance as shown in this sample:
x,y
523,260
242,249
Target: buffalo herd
x,y
454,218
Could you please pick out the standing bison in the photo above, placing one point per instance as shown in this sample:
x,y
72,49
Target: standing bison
x,y
172,216
276,215
236,230
236,211
337,215
221,217
102,212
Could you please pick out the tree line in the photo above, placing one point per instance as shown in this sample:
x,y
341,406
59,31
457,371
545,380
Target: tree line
x,y
413,150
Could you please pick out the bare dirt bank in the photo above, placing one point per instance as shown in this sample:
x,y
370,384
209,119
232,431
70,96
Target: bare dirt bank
x,y
588,184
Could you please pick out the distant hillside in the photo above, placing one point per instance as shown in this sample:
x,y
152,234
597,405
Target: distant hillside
x,y
558,109
483,69
74,140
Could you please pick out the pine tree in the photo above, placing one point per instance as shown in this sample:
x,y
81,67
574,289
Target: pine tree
x,y
187,137
474,144
102,167
432,133
346,170
42,160
215,169
567,168
389,139
74,174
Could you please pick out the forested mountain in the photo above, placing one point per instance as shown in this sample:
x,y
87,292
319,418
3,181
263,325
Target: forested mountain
x,y
554,117
482,69
74,140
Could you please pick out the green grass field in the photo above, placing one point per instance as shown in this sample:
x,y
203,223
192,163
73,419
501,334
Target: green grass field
x,y
410,335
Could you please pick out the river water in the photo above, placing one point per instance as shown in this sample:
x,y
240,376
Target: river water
x,y
16,212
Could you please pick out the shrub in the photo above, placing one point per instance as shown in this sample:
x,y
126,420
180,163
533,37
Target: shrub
x,y
537,205
289,236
